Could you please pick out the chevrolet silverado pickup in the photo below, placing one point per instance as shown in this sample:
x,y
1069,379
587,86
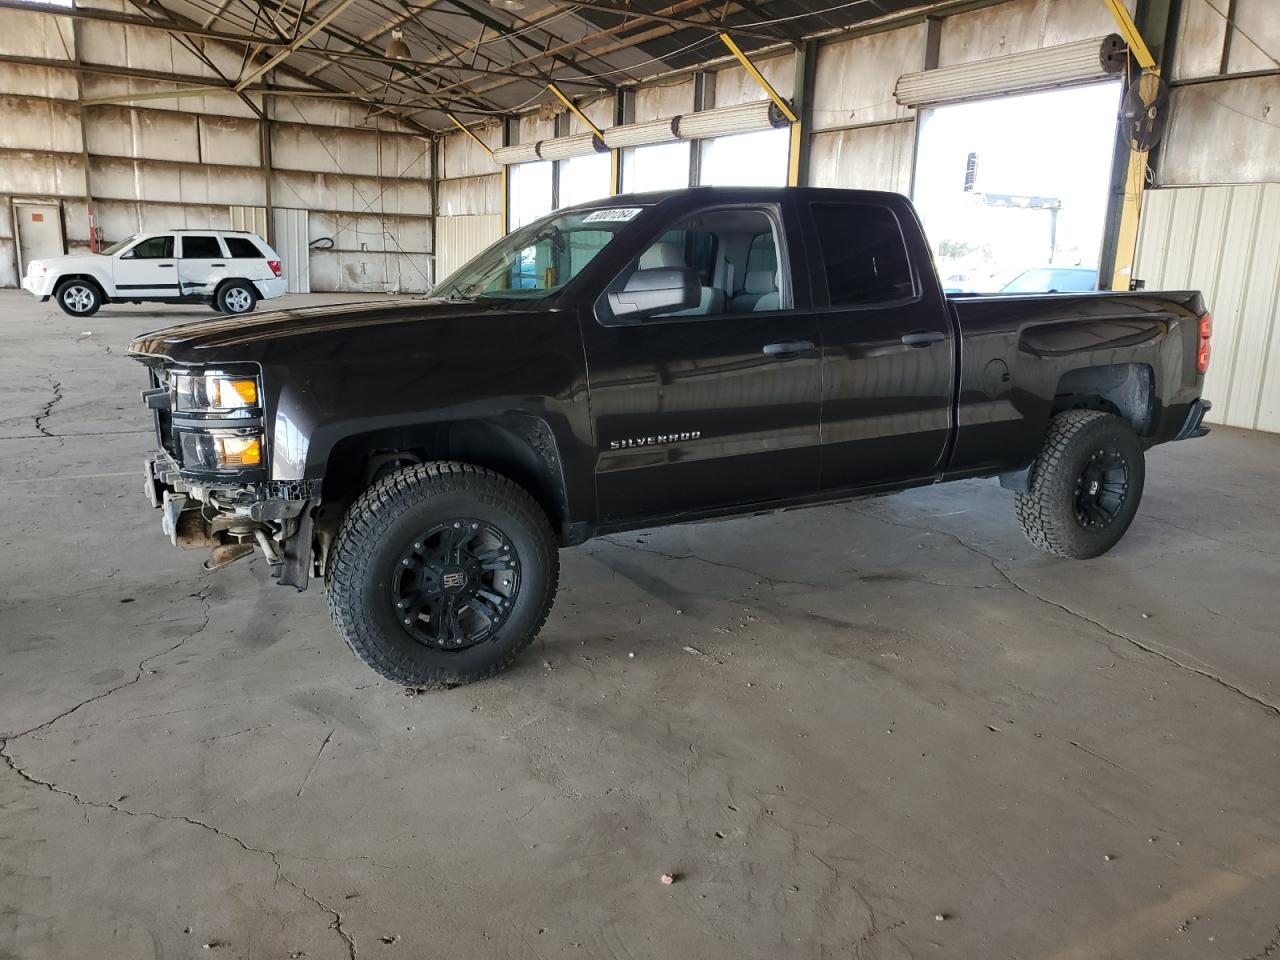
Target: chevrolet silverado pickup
x,y
638,361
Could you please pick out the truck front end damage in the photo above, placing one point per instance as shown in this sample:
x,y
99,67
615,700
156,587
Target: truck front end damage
x,y
210,476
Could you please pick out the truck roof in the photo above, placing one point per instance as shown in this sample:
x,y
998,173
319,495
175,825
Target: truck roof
x,y
742,193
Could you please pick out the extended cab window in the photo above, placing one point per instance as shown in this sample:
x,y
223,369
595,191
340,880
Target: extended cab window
x,y
152,248
864,254
201,248
715,263
242,248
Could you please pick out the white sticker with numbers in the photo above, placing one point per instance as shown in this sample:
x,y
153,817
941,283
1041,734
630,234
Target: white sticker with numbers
x,y
612,215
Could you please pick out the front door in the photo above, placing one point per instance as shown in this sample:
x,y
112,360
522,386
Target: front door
x,y
147,269
718,403
888,361
39,232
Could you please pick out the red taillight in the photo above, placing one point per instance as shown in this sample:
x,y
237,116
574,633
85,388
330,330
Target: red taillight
x,y
275,268
1206,333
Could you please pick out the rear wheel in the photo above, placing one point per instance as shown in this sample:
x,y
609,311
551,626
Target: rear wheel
x,y
236,297
1085,485
80,298
441,574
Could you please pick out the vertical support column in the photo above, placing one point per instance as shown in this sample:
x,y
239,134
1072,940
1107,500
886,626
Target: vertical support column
x,y
704,98
509,128
84,158
264,148
1149,35
802,103
624,111
433,189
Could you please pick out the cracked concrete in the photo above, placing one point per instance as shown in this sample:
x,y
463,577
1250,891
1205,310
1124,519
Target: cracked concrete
x,y
833,724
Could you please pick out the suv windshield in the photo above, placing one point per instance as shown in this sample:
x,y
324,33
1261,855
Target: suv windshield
x,y
118,246
537,261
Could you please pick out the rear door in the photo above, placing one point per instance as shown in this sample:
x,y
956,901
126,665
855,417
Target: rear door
x,y
201,263
717,404
147,270
887,360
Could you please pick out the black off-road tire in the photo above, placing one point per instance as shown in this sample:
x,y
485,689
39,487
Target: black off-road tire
x,y
1049,512
384,522
78,298
235,298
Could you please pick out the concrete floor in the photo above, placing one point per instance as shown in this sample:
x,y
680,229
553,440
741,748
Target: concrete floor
x,y
833,725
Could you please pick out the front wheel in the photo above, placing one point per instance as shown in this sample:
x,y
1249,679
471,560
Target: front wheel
x,y
79,298
441,574
1085,485
236,297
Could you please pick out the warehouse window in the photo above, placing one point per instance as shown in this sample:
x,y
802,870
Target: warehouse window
x,y
529,192
864,254
1016,184
582,179
659,166
757,159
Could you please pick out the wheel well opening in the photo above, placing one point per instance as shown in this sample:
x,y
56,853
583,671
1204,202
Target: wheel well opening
x,y
82,278
521,448
1125,389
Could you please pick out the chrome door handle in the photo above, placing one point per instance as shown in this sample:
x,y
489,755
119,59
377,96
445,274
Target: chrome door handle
x,y
923,339
788,350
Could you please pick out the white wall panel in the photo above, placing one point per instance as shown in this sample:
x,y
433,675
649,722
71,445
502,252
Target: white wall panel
x,y
854,80
319,191
460,156
37,81
664,99
474,196
230,140
35,34
599,112
734,85
122,179
1225,242
291,238
1022,25
461,238
867,158
41,174
1223,132
39,124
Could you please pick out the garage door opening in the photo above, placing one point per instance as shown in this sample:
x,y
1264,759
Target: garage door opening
x,y
1013,191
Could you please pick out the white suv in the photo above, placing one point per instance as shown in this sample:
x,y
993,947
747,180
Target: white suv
x,y
229,269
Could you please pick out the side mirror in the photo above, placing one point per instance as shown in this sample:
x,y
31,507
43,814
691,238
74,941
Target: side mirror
x,y
127,255
660,290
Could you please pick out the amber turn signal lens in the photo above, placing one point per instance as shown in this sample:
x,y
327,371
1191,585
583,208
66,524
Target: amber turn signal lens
x,y
239,451
1206,326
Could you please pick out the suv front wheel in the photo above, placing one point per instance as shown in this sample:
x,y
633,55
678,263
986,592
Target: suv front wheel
x,y
79,298
441,574
235,297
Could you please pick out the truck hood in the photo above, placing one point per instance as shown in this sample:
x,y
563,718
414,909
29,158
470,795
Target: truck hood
x,y
224,339
65,260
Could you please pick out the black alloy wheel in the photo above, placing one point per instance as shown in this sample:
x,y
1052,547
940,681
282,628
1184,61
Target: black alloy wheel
x,y
456,584
1101,489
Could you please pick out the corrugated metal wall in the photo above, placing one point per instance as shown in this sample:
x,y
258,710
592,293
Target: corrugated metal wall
x,y
291,238
1225,242
461,238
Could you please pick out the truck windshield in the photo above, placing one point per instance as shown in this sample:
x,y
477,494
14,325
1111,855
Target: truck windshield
x,y
537,261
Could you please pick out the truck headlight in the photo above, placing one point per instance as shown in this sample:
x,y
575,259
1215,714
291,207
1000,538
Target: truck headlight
x,y
220,450
204,393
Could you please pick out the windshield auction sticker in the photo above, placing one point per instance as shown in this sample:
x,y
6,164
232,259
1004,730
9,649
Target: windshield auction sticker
x,y
612,215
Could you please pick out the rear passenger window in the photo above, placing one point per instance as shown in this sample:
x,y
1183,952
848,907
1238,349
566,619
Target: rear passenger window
x,y
863,253
242,248
201,248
